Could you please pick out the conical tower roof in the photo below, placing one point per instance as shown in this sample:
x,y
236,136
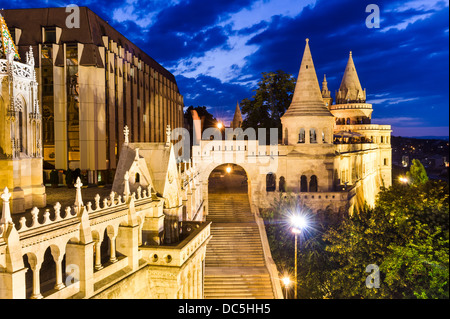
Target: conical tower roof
x,y
307,99
237,119
6,40
350,89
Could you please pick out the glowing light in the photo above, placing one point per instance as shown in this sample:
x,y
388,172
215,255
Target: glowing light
x,y
403,179
299,222
228,169
219,125
286,281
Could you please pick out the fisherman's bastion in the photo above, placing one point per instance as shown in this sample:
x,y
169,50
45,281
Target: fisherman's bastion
x,y
167,229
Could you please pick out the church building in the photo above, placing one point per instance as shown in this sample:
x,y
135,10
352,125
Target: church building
x,y
20,126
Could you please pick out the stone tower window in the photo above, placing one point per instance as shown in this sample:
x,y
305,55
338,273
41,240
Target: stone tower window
x,y
313,184
303,184
301,136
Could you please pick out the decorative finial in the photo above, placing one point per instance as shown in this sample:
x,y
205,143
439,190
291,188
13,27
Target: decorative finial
x,y
126,188
126,132
350,53
6,213
307,40
78,198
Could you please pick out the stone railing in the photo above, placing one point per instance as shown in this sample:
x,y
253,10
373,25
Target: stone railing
x,y
350,106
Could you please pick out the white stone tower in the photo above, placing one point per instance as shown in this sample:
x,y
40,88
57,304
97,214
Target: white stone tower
x,y
307,120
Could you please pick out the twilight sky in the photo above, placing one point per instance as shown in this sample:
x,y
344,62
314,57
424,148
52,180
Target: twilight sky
x,y
217,49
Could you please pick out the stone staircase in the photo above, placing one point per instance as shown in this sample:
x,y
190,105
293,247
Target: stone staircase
x,y
234,265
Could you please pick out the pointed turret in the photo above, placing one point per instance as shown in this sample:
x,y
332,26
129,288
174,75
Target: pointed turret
x,y
6,41
237,119
350,90
326,94
307,99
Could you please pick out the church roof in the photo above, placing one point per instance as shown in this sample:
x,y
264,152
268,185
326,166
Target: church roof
x,y
307,99
350,88
6,40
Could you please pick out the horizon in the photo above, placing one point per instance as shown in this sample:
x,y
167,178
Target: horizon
x,y
217,51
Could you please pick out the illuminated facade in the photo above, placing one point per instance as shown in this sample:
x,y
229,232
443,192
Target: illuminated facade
x,y
94,81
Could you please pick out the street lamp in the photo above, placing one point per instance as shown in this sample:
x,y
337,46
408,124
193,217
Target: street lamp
x,y
298,223
286,282
228,169
219,125
403,180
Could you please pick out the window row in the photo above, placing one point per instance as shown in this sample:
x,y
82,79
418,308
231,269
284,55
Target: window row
x,y
305,186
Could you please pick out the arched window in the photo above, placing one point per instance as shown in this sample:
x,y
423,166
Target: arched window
x,y
270,182
303,184
312,136
323,137
282,185
301,136
137,178
348,121
313,184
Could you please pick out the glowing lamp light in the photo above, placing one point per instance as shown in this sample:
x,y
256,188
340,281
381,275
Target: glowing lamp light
x,y
299,222
286,281
228,169
403,179
219,125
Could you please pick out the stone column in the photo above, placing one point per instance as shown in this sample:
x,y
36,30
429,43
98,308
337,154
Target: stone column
x,y
59,283
112,247
98,255
36,267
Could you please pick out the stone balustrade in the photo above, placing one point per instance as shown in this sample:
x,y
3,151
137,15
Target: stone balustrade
x,y
76,238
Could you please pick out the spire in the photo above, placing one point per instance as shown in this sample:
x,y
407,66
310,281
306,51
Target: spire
x,y
307,99
350,90
237,119
6,40
325,92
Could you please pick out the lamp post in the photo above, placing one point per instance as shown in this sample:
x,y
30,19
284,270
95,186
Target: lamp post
x,y
298,223
286,283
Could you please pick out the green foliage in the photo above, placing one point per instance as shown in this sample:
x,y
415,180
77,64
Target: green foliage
x,y
271,100
417,173
313,262
406,235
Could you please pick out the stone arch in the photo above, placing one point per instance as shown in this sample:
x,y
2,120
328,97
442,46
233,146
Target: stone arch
x,y
313,184
313,135
282,184
220,173
303,183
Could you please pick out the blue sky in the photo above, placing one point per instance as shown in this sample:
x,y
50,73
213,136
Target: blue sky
x,y
217,49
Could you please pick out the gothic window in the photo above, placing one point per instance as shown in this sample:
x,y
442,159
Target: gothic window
x,y
313,184
303,184
312,136
270,182
301,136
137,178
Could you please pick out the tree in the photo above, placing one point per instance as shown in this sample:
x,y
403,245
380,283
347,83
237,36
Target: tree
x,y
417,173
271,100
313,261
406,235
207,119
